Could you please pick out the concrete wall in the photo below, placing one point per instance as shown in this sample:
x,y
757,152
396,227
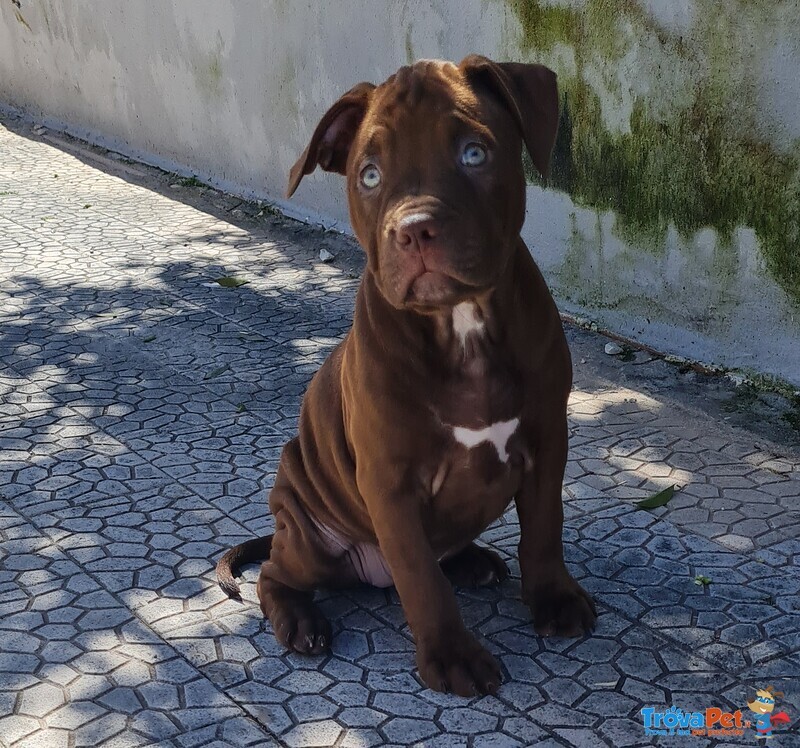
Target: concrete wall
x,y
673,213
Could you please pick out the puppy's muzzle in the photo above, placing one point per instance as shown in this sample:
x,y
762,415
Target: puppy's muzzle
x,y
418,231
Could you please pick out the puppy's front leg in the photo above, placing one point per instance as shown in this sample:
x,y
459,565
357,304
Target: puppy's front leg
x,y
449,658
560,606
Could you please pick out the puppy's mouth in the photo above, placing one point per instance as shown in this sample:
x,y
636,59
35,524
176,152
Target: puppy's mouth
x,y
432,276
434,288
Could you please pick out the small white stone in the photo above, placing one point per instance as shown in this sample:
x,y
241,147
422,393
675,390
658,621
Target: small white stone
x,y
738,543
326,256
613,349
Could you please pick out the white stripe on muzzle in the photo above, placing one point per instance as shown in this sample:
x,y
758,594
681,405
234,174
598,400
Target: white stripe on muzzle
x,y
413,218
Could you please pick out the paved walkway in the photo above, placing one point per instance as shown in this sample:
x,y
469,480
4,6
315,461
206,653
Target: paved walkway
x,y
142,412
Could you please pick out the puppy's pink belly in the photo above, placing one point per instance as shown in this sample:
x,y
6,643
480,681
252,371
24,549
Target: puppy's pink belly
x,y
366,559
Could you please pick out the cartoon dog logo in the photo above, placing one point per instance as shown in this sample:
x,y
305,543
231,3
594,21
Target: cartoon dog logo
x,y
763,706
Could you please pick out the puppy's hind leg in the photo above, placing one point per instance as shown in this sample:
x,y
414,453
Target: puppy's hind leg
x,y
300,561
298,623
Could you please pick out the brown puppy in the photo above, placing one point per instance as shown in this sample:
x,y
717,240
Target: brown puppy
x,y
447,399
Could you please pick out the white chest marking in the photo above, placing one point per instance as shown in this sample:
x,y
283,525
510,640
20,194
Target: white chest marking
x,y
498,434
466,320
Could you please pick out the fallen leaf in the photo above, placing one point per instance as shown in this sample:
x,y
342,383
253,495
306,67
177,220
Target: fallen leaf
x,y
230,282
149,339
252,337
658,499
240,408
702,581
216,372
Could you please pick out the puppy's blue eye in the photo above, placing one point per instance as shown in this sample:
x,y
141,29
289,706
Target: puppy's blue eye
x,y
473,155
370,176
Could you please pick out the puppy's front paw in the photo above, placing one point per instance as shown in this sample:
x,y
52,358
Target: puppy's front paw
x,y
455,662
560,606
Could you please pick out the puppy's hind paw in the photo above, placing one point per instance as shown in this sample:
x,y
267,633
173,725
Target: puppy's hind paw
x,y
300,626
475,566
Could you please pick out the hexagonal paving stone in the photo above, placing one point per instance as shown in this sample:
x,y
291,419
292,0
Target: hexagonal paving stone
x,y
313,734
16,727
40,700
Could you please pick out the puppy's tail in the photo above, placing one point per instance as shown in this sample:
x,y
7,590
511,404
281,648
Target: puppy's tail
x,y
248,552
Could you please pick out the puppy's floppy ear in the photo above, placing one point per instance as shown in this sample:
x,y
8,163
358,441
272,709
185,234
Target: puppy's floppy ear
x,y
530,94
331,141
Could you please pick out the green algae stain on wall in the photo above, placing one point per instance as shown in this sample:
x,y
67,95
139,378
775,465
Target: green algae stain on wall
x,y
670,141
208,69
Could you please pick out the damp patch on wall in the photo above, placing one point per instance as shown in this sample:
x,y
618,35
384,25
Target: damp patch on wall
x,y
664,121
